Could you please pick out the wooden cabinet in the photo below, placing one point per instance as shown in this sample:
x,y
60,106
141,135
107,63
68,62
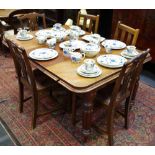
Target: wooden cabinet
x,y
142,19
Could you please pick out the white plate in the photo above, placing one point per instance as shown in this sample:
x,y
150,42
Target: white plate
x,y
28,37
61,29
79,71
46,33
43,54
114,44
111,60
75,44
81,32
90,38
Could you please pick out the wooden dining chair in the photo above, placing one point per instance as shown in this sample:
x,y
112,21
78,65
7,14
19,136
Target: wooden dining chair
x,y
88,22
34,80
126,33
121,93
31,20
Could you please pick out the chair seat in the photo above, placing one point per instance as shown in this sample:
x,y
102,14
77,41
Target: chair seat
x,y
42,81
104,95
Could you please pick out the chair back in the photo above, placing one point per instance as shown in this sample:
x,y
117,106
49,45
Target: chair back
x,y
128,76
31,20
23,68
126,34
88,22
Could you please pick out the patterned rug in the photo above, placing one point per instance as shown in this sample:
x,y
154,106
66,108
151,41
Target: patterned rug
x,y
56,129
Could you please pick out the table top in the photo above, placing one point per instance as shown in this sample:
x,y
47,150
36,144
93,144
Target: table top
x,y
5,12
64,71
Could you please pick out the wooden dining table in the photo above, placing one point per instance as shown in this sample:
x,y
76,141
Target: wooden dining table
x,y
6,12
64,71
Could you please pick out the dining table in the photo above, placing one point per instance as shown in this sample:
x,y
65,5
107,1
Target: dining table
x,y
4,13
63,71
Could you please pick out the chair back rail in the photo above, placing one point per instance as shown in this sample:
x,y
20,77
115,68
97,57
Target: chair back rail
x,y
126,33
125,83
22,65
31,19
93,22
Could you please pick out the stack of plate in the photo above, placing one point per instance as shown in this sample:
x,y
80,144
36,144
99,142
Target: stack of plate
x,y
129,55
27,37
43,54
96,71
111,60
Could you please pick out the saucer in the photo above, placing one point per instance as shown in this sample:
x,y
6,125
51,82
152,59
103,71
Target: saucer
x,y
27,37
131,54
93,71
81,72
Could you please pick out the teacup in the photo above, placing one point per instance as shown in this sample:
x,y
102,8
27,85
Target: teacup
x,y
51,42
75,28
57,26
22,33
108,49
67,51
131,48
41,39
95,39
73,35
89,64
76,56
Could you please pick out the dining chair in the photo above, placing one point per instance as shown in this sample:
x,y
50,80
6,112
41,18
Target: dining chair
x,y
126,33
31,20
33,80
88,22
121,93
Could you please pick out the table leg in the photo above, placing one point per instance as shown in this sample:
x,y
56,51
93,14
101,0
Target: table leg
x,y
87,114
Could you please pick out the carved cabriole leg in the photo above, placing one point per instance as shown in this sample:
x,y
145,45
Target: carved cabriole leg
x,y
35,110
21,97
87,114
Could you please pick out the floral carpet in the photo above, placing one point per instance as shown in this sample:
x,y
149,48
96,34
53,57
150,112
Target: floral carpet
x,y
56,129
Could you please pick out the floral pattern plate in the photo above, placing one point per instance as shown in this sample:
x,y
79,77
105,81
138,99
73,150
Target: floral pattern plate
x,y
111,60
28,37
113,44
43,54
46,33
91,38
75,44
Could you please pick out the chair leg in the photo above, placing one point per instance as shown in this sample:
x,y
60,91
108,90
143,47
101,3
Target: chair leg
x,y
110,129
135,90
127,103
34,112
73,109
21,97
